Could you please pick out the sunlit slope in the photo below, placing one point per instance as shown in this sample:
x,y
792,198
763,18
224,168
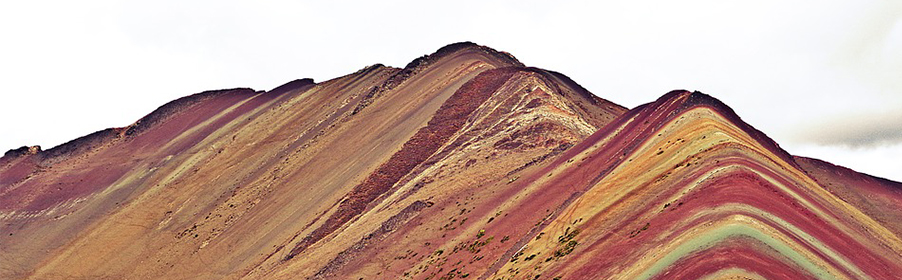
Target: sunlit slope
x,y
123,198
238,183
681,188
496,127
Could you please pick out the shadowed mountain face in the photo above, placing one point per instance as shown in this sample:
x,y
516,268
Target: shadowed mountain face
x,y
463,164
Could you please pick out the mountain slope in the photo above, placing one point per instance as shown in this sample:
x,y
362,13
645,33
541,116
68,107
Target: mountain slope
x,y
193,181
463,164
681,188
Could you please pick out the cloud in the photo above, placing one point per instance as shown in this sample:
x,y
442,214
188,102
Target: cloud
x,y
855,131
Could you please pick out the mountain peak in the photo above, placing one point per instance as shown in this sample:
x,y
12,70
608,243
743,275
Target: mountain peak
x,y
462,48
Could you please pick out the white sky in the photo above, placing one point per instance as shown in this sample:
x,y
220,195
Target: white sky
x,y
820,77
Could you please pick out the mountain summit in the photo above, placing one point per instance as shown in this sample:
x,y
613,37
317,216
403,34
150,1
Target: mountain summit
x,y
465,164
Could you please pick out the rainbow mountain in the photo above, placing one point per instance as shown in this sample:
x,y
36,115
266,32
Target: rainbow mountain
x,y
465,164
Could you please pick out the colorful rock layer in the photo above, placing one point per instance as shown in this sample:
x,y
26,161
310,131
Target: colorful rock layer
x,y
463,164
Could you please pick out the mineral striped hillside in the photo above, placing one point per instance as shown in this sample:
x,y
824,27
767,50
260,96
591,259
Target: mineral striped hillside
x,y
465,164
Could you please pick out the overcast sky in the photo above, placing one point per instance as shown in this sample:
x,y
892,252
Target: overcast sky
x,y
822,80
